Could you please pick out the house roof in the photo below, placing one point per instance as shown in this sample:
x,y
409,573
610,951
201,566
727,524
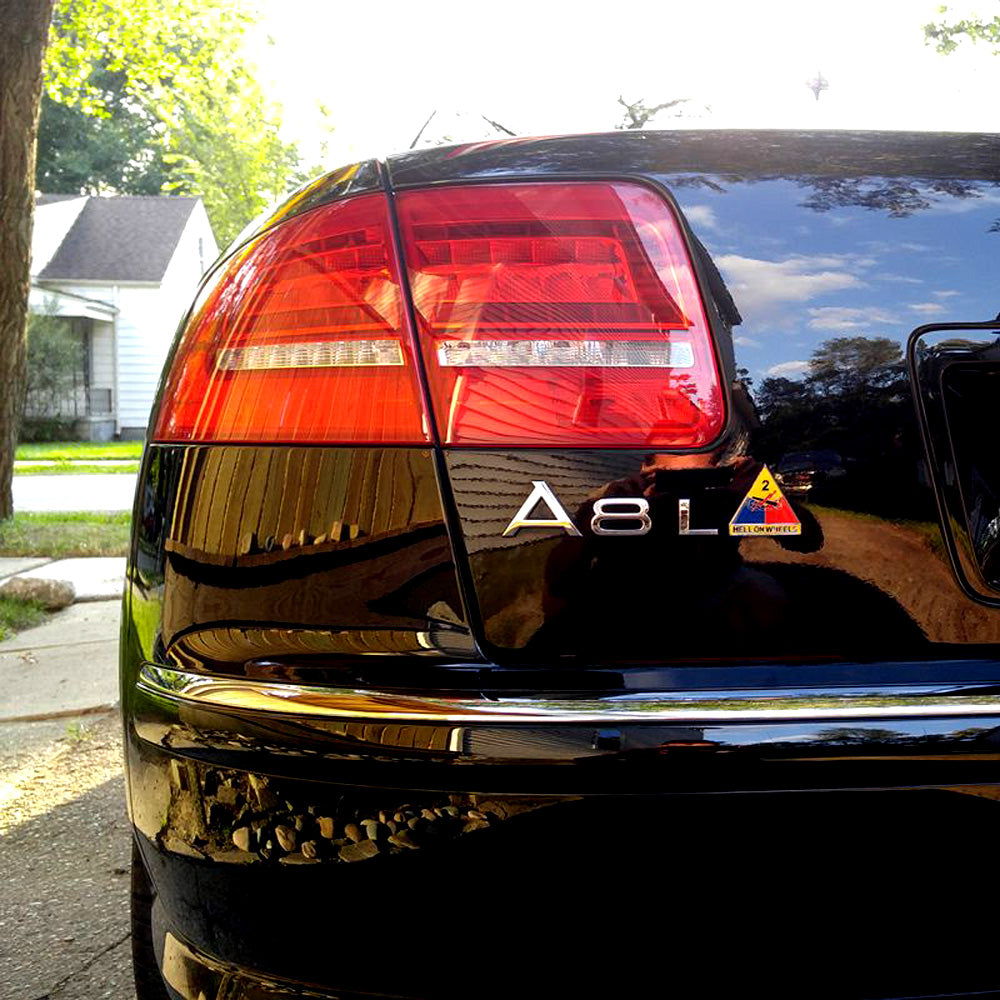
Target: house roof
x,y
129,238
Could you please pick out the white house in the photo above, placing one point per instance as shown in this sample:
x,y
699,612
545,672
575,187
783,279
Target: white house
x,y
122,270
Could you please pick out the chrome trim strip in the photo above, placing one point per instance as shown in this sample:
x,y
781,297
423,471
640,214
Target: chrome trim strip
x,y
913,702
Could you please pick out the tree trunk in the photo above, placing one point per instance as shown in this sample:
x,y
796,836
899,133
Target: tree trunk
x,y
24,31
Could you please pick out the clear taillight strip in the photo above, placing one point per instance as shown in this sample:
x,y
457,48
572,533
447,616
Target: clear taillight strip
x,y
564,354
312,354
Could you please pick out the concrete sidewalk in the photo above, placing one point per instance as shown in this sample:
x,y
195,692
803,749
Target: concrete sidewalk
x,y
105,492
66,666
69,664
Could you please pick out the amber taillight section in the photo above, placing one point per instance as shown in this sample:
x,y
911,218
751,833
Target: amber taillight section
x,y
301,337
560,314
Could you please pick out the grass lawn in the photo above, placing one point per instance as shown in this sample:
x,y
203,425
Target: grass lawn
x,y
67,469
61,450
16,614
928,530
62,535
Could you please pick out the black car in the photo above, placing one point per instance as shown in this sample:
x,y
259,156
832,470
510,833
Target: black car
x,y
472,645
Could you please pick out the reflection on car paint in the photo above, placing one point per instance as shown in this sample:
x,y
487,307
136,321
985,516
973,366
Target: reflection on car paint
x,y
241,817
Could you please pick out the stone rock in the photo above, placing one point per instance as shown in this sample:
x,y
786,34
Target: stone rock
x,y
326,827
226,794
309,849
475,824
475,814
353,831
241,838
266,799
428,814
499,809
359,852
371,828
404,839
296,859
415,822
53,594
286,837
234,857
176,845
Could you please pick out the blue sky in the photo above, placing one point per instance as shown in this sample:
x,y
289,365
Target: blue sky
x,y
800,277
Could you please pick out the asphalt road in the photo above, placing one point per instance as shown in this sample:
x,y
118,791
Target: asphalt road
x,y
64,859
102,492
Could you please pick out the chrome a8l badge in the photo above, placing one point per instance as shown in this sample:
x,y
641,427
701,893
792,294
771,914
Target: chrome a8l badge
x,y
612,515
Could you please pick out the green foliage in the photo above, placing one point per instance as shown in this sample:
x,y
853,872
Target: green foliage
x,y
17,614
78,732
78,469
225,145
121,150
157,98
946,36
60,451
43,429
64,535
55,360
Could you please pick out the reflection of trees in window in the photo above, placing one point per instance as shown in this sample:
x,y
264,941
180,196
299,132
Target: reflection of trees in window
x,y
853,735
860,735
899,197
854,402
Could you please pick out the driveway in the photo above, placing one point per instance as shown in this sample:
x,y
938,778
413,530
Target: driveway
x,y
102,492
64,859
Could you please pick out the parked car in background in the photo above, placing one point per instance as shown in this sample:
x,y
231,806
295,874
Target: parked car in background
x,y
472,647
801,471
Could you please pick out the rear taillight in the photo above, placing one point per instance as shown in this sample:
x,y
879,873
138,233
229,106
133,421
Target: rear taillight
x,y
556,314
301,337
560,314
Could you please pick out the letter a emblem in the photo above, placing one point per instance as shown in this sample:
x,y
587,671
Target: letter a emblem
x,y
541,494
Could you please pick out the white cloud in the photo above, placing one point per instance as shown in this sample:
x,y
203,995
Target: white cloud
x,y
760,286
946,293
701,215
746,342
902,279
927,308
788,368
849,318
959,206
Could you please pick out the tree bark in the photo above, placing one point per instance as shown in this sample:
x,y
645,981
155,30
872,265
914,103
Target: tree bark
x,y
24,32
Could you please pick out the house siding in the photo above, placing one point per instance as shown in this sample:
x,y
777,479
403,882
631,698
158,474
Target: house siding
x,y
146,325
149,319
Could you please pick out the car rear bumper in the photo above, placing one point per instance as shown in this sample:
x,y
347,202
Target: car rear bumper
x,y
537,848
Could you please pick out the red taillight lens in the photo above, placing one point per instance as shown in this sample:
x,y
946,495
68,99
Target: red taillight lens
x,y
301,337
560,315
